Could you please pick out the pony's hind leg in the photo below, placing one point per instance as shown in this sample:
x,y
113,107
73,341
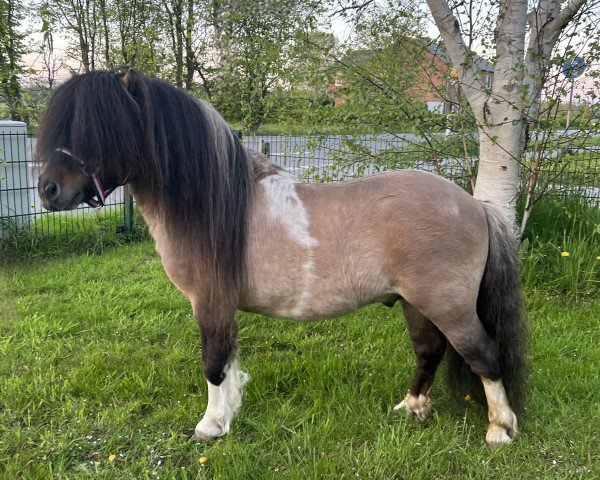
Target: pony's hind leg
x,y
225,380
469,338
429,345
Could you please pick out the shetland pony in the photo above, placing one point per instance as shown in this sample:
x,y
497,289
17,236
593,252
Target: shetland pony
x,y
235,232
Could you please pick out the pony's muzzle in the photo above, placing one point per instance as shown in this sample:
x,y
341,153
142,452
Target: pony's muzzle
x,y
51,191
50,194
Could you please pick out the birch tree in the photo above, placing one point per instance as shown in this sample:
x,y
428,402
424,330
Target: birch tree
x,y
523,40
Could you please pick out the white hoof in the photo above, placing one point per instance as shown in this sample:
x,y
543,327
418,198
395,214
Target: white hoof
x,y
224,401
503,421
421,406
497,435
208,429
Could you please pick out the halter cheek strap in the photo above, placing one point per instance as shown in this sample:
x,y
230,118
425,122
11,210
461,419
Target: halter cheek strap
x,y
101,192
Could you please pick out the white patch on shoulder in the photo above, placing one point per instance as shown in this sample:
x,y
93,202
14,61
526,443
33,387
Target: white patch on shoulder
x,y
286,207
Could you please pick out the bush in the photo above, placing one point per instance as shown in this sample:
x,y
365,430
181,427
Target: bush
x,y
559,249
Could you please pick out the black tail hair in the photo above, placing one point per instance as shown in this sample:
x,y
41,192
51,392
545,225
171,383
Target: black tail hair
x,y
500,309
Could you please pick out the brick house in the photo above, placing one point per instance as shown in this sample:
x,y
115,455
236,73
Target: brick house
x,y
434,84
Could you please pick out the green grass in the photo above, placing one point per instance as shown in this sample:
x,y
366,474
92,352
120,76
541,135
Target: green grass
x,y
559,226
54,235
99,357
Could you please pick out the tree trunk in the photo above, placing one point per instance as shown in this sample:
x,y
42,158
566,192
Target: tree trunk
x,y
179,36
106,32
190,56
498,173
502,143
514,100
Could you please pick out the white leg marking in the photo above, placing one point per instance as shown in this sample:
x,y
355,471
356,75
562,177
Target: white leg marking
x,y
503,421
421,406
286,207
223,402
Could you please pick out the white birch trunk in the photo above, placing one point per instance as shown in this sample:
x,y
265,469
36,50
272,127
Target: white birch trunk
x,y
501,115
501,133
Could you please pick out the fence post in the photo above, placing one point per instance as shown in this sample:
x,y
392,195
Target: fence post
x,y
266,148
128,209
15,204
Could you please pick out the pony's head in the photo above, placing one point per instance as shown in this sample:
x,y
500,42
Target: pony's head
x,y
185,166
89,135
63,185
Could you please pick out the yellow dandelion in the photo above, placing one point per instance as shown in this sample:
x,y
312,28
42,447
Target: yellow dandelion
x,y
565,254
111,457
203,459
468,397
454,74
598,257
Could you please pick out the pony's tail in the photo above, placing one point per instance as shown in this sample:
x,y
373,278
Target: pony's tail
x,y
499,307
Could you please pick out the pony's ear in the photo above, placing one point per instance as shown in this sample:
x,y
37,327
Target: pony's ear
x,y
130,80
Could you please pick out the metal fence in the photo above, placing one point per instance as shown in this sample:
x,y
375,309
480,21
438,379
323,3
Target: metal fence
x,y
311,158
319,158
20,205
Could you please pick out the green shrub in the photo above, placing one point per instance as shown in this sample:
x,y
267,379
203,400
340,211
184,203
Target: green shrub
x,y
560,249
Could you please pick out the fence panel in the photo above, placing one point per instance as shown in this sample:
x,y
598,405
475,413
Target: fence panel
x,y
20,204
310,158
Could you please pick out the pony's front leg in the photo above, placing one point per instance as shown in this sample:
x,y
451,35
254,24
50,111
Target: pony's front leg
x,y
225,380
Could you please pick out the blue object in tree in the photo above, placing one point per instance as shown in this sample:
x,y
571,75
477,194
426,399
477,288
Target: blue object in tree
x,y
574,67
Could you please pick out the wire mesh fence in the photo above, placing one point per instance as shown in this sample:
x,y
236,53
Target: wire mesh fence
x,y
315,158
20,205
323,158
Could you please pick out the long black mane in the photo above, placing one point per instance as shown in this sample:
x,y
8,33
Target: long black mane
x,y
182,159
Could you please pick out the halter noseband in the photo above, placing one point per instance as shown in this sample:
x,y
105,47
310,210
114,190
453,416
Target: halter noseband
x,y
101,193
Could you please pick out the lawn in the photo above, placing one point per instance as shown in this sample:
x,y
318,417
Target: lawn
x,y
100,377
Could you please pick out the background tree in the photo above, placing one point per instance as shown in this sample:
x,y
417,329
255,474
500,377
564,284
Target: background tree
x,y
255,44
12,48
383,74
80,19
384,70
51,63
137,35
504,111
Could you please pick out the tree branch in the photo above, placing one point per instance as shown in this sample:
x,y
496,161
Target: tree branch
x,y
565,16
354,6
459,53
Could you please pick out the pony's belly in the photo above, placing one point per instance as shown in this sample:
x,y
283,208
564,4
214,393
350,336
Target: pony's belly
x,y
307,313
318,301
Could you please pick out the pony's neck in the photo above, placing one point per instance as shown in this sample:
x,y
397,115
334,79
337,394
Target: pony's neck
x,y
153,213
261,165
